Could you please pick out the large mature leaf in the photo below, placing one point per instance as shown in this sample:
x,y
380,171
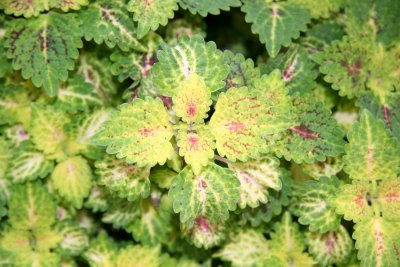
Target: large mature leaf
x,y
211,194
151,14
109,22
276,23
44,48
72,178
378,242
47,128
28,164
256,177
139,131
333,247
388,199
33,8
310,203
126,180
188,56
14,105
208,6
31,207
372,154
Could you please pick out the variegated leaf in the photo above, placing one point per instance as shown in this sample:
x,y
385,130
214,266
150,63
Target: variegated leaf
x,y
14,105
102,251
35,7
140,256
204,234
206,7
74,238
388,199
321,9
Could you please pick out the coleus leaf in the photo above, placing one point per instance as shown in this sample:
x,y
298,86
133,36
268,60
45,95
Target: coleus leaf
x,y
372,154
310,204
388,199
333,247
74,238
72,178
297,70
76,95
121,213
204,234
245,249
5,155
98,199
377,242
321,9
141,256
196,144
31,207
188,56
208,6
53,39
328,168
28,164
109,22
126,180
139,131
16,135
47,128
276,23
102,251
14,105
314,134
34,8
255,178
151,14
211,194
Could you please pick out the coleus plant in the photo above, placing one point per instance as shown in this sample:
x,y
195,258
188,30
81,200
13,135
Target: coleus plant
x,y
127,138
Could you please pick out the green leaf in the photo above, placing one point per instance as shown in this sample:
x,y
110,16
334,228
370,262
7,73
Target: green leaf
x,y
72,178
31,207
139,131
151,14
74,238
126,180
121,213
14,105
333,247
47,128
188,56
389,199
208,6
245,249
276,23
377,242
371,153
34,8
28,164
44,48
211,194
321,9
33,258
314,134
255,178
109,22
76,95
102,251
141,256
196,144
287,236
311,204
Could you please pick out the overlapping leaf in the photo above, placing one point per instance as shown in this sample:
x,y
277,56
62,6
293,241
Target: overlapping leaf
x,y
14,105
204,234
321,9
208,6
34,8
74,238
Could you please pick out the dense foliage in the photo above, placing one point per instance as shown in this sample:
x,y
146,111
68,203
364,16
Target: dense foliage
x,y
129,138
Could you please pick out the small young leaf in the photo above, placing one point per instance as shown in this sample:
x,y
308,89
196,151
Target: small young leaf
x,y
74,238
102,251
14,105
205,7
121,213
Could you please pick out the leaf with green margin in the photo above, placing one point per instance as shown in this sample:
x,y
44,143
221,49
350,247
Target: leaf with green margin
x,y
47,128
242,71
109,22
330,167
35,7
237,125
5,64
276,23
196,144
46,239
121,212
188,56
204,234
314,134
139,131
377,242
162,176
141,256
322,34
16,135
151,14
333,247
388,199
31,207
154,225
245,249
74,238
310,203
72,178
372,154
192,101
351,201
14,105
5,155
102,251
28,164
33,258
388,111
211,194
98,199
53,39
345,64
256,176
126,180
321,9
77,95
297,69
206,7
